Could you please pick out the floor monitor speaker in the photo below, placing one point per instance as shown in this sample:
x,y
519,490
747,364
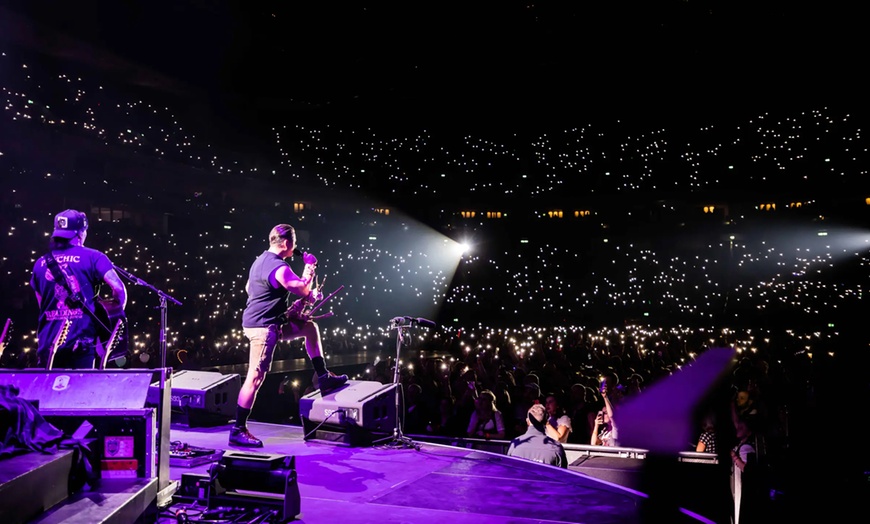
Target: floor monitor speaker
x,y
352,414
201,398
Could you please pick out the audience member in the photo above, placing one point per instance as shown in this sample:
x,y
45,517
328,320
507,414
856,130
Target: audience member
x,y
748,479
707,440
531,395
605,433
444,422
582,410
558,424
634,384
416,413
534,444
486,420
743,406
610,387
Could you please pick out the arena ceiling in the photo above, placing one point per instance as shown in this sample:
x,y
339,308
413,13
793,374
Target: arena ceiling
x,y
461,60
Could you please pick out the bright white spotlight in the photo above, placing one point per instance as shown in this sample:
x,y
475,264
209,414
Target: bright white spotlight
x,y
458,249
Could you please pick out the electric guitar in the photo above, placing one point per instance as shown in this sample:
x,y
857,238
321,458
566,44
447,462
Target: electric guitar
x,y
4,337
59,340
115,342
112,344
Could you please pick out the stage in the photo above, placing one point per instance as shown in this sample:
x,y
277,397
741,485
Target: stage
x,y
147,476
429,483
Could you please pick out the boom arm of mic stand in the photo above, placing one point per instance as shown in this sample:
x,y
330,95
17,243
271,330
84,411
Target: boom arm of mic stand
x,y
163,298
139,282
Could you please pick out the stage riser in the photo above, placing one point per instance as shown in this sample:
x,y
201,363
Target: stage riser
x,y
128,441
33,483
121,501
80,390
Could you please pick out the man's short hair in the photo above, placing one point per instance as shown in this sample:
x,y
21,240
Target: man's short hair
x,y
282,232
538,412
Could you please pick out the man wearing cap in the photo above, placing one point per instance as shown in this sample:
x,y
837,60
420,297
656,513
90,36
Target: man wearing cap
x,y
534,444
83,270
264,321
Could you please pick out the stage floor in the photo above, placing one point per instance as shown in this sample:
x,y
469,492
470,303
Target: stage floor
x,y
432,483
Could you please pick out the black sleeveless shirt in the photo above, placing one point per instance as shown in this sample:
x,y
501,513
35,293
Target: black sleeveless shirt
x,y
266,304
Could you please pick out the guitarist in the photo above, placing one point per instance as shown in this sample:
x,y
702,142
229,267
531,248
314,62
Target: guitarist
x,y
270,283
82,269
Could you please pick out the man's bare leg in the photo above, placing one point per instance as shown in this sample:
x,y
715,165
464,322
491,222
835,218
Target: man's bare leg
x,y
326,380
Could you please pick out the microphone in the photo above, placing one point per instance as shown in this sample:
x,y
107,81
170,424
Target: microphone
x,y
297,252
423,322
411,321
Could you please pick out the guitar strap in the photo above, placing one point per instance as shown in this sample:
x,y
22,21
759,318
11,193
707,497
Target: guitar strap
x,y
74,292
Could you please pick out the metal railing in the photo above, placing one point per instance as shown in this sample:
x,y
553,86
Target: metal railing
x,y
573,451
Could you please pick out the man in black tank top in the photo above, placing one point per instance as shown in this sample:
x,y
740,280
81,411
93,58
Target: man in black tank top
x,y
265,323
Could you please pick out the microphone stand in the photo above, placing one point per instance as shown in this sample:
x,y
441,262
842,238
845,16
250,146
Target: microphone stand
x,y
398,440
163,300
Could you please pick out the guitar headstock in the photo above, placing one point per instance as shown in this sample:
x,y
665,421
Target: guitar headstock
x,y
5,335
111,344
59,340
117,335
62,334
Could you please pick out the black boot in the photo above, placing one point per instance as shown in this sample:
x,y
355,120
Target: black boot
x,y
243,437
329,382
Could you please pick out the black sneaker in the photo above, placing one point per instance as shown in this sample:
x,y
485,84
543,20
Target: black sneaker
x,y
329,382
243,437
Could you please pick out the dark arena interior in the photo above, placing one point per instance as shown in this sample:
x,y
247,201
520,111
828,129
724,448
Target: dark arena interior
x,y
651,216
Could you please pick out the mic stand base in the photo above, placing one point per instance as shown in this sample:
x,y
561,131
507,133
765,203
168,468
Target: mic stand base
x,y
398,441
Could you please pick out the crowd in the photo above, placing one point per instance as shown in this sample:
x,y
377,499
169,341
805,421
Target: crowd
x,y
539,318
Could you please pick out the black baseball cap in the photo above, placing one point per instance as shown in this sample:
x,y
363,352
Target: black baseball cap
x,y
67,224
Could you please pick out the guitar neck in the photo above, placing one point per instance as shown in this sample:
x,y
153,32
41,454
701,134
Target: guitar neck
x,y
58,342
116,336
4,337
61,335
111,344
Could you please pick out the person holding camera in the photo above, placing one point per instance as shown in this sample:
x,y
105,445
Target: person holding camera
x,y
604,432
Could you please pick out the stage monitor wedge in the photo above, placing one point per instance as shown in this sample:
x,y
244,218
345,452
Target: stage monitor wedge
x,y
351,413
201,397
